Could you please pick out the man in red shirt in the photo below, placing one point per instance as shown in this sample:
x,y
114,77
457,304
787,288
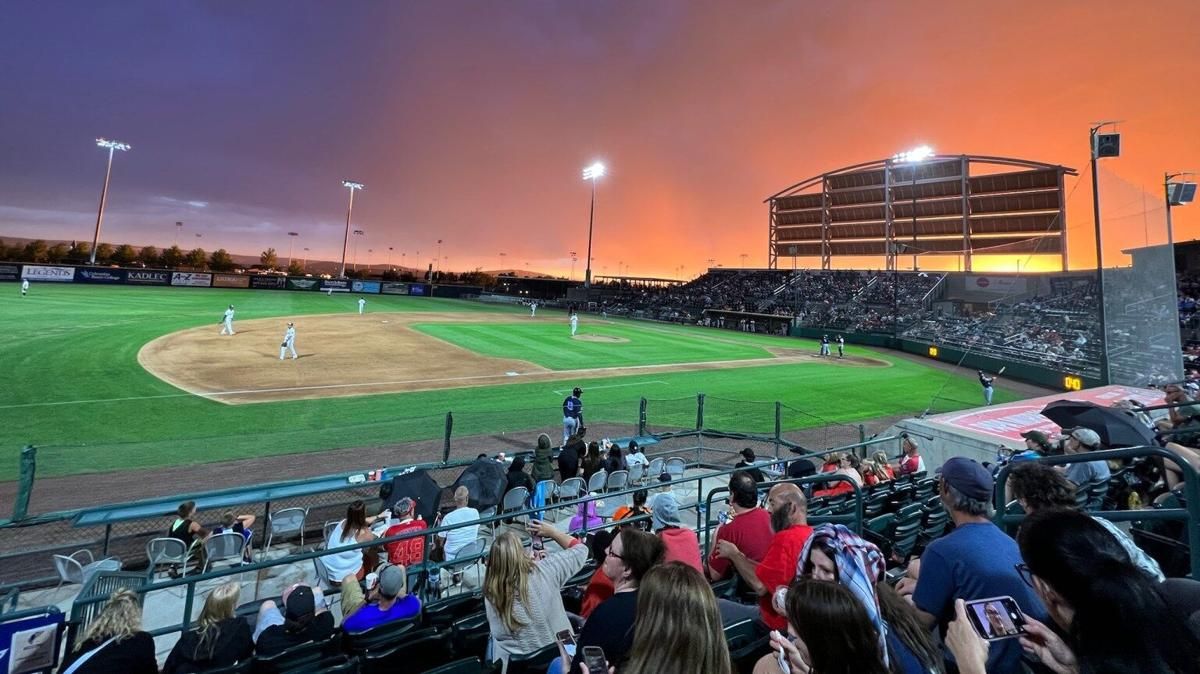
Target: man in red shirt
x,y
912,461
789,521
749,527
409,551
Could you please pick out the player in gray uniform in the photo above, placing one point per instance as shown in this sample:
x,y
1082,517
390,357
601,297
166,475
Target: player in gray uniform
x,y
24,287
532,309
289,341
227,321
841,341
574,322
572,408
362,305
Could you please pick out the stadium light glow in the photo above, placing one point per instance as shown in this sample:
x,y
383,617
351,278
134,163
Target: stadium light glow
x,y
919,153
594,171
353,185
111,146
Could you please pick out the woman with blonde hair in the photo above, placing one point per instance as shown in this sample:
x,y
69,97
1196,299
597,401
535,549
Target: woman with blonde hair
x,y
523,598
885,470
114,642
218,639
678,627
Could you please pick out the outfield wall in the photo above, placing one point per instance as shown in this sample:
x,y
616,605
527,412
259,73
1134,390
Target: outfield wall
x,y
48,273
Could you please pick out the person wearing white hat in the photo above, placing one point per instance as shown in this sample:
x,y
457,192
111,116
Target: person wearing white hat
x,y
1084,473
289,341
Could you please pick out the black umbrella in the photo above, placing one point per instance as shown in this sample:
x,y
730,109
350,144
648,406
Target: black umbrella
x,y
1116,427
418,486
486,480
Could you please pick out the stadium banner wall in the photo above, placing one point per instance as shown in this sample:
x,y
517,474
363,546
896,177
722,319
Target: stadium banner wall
x,y
268,282
335,284
394,288
454,291
147,278
1034,374
37,272
365,287
10,272
418,289
191,279
230,281
303,284
99,275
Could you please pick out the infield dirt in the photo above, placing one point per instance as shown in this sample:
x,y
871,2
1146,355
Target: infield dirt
x,y
351,355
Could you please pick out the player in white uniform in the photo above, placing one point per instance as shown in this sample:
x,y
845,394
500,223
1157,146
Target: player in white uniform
x,y
532,309
574,322
362,305
227,321
289,341
24,287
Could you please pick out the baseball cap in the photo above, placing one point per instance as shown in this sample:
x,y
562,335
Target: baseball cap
x,y
391,580
748,454
968,477
404,506
1086,437
577,391
300,603
665,511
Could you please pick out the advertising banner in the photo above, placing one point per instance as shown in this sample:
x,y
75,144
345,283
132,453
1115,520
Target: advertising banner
x,y
10,272
230,281
335,285
147,278
394,289
303,284
417,289
268,282
37,272
996,285
100,275
189,278
365,286
31,644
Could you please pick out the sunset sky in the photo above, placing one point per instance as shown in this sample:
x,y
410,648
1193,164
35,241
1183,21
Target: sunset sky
x,y
470,121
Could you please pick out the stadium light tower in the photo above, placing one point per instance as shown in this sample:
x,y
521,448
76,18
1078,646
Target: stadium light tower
x,y
357,232
1178,194
112,147
914,156
592,173
346,239
292,246
574,259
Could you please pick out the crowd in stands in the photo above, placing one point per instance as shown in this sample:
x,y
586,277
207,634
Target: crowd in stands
x,y
820,597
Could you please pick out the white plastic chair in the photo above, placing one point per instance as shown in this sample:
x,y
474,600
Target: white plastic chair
x,y
286,522
514,500
655,469
596,482
475,549
167,551
224,546
636,472
72,570
617,480
675,467
327,530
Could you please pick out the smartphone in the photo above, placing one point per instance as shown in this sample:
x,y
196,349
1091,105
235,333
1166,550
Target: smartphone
x,y
537,544
996,618
566,638
781,655
593,657
723,517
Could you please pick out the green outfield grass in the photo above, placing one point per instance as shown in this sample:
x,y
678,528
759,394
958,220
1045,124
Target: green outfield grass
x,y
71,383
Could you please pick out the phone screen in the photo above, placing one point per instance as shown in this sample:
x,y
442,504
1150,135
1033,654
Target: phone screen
x,y
537,543
593,657
996,618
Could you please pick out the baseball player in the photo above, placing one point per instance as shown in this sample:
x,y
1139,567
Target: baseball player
x,y
572,414
824,345
289,341
532,309
24,287
362,305
986,382
841,341
574,322
227,321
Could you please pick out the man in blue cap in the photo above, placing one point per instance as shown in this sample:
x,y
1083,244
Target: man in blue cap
x,y
975,561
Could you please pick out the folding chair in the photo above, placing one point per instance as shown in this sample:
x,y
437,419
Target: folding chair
x,y
286,522
167,551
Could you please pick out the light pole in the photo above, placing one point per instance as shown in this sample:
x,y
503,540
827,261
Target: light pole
x,y
574,259
178,228
369,251
1092,143
346,239
357,233
502,256
389,260
291,245
112,146
591,173
711,261
304,262
743,256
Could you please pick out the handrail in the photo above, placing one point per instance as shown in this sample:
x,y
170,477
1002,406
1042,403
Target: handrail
x,y
1191,486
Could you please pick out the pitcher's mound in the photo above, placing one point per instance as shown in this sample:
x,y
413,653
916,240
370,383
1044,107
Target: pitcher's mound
x,y
607,339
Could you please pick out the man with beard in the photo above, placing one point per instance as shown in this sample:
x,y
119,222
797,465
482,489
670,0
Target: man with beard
x,y
789,521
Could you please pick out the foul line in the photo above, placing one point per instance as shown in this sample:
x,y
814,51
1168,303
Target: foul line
x,y
633,383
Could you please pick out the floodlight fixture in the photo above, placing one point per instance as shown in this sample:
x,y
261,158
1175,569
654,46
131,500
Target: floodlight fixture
x,y
353,185
594,171
917,154
111,146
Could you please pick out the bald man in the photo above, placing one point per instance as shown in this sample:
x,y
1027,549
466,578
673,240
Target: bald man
x,y
789,521
455,539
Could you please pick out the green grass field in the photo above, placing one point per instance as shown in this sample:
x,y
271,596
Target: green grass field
x,y
72,384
